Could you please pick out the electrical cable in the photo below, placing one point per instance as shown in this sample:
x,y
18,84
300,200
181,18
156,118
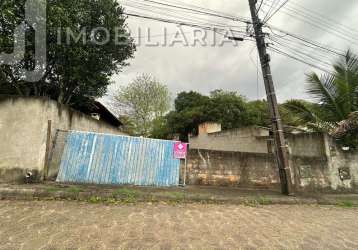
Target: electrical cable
x,y
272,6
300,51
317,44
300,60
259,8
178,22
320,24
233,18
278,9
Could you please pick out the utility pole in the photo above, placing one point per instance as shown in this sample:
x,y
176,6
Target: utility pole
x,y
277,128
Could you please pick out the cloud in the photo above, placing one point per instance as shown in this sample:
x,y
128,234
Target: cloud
x,y
204,69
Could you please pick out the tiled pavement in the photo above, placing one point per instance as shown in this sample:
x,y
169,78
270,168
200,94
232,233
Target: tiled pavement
x,y
75,225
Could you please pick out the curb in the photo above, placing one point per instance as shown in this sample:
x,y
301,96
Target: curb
x,y
106,197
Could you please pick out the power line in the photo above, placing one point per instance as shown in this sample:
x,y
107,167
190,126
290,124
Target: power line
x,y
190,15
194,23
320,23
300,51
302,46
160,9
326,18
301,57
158,35
302,54
332,31
259,8
316,17
292,40
168,21
327,71
316,44
304,58
273,5
280,7
167,14
198,7
178,22
213,13
299,60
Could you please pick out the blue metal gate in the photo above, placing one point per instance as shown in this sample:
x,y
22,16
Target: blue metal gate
x,y
110,159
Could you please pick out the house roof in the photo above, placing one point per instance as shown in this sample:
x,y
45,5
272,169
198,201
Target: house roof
x,y
106,114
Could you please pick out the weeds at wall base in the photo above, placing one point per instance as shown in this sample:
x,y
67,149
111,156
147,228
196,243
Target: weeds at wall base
x,y
347,204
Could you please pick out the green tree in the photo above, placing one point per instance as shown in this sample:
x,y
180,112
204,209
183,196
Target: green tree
x,y
336,96
190,100
192,109
161,130
227,108
145,100
258,113
76,72
188,114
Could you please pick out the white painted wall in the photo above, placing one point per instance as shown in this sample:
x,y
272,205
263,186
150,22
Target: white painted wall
x,y
23,132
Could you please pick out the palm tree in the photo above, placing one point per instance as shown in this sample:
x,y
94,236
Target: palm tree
x,y
336,96
347,130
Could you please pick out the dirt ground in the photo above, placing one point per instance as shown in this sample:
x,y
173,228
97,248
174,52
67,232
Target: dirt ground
x,y
79,225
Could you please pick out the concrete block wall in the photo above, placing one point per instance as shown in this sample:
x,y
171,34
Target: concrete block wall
x,y
207,167
23,133
320,164
306,144
321,167
342,167
250,139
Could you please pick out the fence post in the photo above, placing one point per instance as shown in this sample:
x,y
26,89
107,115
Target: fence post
x,y
48,145
185,170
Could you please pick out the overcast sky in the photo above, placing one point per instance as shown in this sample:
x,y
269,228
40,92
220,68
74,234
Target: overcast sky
x,y
204,69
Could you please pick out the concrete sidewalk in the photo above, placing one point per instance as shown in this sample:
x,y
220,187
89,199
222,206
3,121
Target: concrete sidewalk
x,y
188,194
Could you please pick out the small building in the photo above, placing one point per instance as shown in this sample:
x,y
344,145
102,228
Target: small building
x,y
253,139
28,126
248,139
101,113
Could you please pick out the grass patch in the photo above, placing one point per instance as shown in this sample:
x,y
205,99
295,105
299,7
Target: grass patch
x,y
95,199
75,190
126,195
251,203
261,200
125,192
175,196
110,201
346,204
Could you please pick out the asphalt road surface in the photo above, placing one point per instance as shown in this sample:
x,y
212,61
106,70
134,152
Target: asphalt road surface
x,y
74,225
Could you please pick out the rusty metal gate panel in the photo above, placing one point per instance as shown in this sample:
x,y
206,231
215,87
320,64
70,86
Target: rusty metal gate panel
x,y
110,159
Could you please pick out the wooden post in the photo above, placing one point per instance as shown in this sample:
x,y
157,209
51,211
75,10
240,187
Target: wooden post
x,y
185,172
47,153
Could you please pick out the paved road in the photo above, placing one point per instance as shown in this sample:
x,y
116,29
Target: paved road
x,y
72,225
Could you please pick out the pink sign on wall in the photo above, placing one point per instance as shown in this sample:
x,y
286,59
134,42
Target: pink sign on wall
x,y
180,150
